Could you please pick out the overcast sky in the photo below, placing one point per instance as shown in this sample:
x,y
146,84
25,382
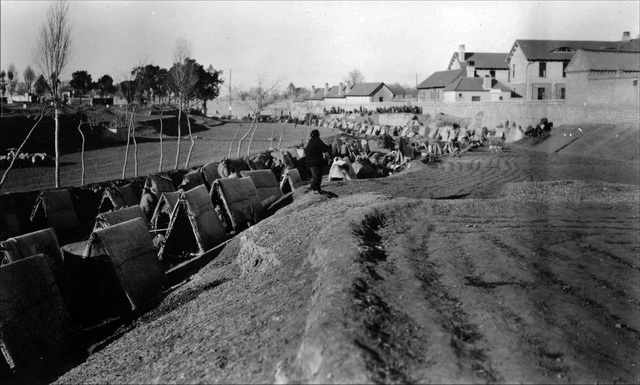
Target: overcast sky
x,y
307,43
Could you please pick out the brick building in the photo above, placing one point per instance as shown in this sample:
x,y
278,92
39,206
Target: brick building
x,y
538,67
603,77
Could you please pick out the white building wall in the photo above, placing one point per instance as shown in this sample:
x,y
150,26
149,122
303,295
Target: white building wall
x,y
358,99
467,96
527,79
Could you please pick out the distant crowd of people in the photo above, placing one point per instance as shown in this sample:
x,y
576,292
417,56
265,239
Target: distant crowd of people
x,y
380,110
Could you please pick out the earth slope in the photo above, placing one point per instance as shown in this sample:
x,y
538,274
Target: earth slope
x,y
512,267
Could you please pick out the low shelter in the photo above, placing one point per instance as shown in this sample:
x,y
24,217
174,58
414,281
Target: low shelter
x,y
194,226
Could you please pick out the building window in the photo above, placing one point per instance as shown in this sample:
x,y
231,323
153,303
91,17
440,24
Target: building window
x,y
564,69
542,70
475,98
492,73
514,71
562,93
459,95
541,93
381,99
635,83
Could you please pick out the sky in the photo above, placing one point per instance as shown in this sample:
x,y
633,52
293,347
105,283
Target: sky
x,y
304,42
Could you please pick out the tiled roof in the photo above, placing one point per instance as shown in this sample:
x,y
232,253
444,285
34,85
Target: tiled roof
x,y
365,89
317,95
486,60
441,79
333,92
475,85
563,50
608,61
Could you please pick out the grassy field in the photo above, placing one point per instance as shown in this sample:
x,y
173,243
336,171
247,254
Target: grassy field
x,y
212,142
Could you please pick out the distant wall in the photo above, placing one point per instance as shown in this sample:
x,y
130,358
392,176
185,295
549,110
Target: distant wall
x,y
526,113
523,112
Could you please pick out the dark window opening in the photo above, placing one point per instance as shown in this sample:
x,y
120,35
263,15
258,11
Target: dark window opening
x,y
492,73
475,98
541,93
562,92
542,70
514,71
635,83
564,69
381,99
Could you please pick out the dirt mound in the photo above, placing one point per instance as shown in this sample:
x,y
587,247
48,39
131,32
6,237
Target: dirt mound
x,y
370,288
607,141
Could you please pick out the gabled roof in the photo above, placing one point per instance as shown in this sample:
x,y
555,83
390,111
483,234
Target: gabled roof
x,y
475,85
317,95
483,60
563,50
333,92
604,61
441,79
366,89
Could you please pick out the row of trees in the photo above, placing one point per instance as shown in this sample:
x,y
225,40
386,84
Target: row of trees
x,y
9,80
185,85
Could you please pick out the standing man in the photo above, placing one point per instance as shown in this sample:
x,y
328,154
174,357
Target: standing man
x,y
315,159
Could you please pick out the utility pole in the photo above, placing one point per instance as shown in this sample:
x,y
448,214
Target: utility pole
x,y
230,110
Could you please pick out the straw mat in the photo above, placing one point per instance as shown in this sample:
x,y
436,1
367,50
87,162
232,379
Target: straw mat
x,y
134,258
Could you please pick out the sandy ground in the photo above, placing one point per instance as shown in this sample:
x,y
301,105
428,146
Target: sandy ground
x,y
520,266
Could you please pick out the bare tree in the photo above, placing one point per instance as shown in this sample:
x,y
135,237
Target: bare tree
x,y
52,54
257,100
183,79
354,77
135,92
29,77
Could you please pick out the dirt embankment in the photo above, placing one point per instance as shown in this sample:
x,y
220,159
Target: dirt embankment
x,y
520,266
602,141
532,286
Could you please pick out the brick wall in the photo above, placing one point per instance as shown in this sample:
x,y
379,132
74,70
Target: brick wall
x,y
523,112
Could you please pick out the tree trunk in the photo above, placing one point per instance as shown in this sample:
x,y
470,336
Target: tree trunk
x,y
126,152
6,173
245,136
282,133
234,138
57,144
161,143
175,166
251,139
135,145
82,153
193,143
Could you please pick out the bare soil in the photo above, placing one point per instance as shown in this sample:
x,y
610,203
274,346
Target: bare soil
x,y
520,266
488,268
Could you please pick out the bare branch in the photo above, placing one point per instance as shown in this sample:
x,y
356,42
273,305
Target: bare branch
x,y
53,47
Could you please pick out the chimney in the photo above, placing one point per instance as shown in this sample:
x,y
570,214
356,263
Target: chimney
x,y
471,69
348,89
340,90
313,91
461,52
326,89
486,83
626,36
